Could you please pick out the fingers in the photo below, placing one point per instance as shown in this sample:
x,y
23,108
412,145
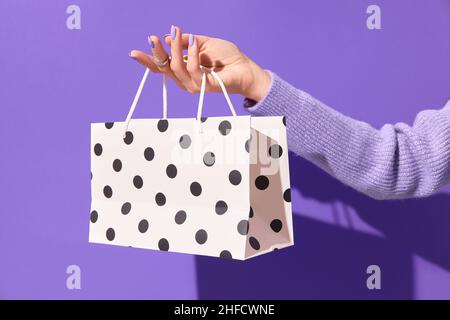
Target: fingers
x,y
193,64
159,53
187,75
144,59
177,64
159,57
192,43
185,40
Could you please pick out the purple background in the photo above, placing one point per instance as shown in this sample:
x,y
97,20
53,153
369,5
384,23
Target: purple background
x,y
55,81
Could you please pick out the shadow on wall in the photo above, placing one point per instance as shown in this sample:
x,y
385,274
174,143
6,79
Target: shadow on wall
x,y
330,261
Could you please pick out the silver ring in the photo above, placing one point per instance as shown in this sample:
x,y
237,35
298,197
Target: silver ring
x,y
161,63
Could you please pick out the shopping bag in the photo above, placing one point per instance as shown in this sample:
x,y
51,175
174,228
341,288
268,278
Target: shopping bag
x,y
215,186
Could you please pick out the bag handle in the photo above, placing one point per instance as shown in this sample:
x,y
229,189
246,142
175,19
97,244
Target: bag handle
x,y
203,90
137,96
200,102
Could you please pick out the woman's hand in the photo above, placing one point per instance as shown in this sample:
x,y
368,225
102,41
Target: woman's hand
x,y
239,73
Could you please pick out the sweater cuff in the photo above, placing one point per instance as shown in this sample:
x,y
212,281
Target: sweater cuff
x,y
277,99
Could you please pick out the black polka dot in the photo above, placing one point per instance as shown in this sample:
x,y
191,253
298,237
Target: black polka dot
x,y
247,145
276,225
209,159
201,236
109,125
128,137
262,182
284,121
235,177
196,189
171,171
126,208
225,254
254,243
221,207
138,182
251,213
110,234
91,175
243,227
185,141
143,226
163,124
117,165
180,217
149,154
163,244
275,151
160,199
287,195
225,127
203,119
94,216
98,149
107,191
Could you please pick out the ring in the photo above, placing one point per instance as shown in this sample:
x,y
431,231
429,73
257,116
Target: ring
x,y
161,63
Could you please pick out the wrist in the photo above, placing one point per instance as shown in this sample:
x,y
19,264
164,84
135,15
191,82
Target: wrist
x,y
259,84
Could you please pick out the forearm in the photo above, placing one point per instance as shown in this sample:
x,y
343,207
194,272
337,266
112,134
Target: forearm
x,y
396,161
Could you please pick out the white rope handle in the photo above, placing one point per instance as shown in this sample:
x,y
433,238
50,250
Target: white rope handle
x,y
203,90
137,96
200,101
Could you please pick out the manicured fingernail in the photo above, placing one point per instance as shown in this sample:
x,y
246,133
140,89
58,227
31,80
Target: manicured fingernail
x,y
150,42
129,54
191,40
173,32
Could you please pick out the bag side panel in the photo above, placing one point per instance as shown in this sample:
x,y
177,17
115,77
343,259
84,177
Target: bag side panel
x,y
270,225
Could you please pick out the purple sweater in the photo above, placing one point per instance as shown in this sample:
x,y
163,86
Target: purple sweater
x,y
396,161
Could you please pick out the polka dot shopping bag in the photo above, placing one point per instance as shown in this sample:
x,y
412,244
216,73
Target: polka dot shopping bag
x,y
216,186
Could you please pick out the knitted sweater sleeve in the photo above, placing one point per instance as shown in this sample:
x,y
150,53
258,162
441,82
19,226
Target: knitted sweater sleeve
x,y
396,161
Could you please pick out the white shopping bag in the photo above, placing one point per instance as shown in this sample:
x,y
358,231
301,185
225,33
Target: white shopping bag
x,y
216,186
